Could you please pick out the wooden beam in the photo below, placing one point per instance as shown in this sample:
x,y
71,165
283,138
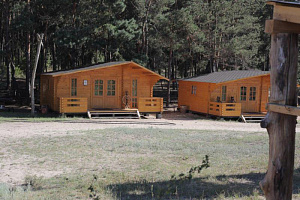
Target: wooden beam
x,y
283,109
286,13
277,26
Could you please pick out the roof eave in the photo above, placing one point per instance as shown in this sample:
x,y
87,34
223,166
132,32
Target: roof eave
x,y
85,69
114,65
243,78
160,76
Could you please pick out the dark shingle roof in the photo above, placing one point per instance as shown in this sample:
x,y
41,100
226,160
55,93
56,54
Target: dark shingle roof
x,y
225,76
287,3
87,68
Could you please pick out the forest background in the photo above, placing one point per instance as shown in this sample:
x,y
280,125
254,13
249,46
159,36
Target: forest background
x,y
176,38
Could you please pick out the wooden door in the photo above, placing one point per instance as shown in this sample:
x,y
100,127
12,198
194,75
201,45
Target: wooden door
x,y
249,98
97,93
111,95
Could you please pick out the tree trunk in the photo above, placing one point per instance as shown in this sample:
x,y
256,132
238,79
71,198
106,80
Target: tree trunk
x,y
169,77
28,60
7,44
278,181
54,57
40,40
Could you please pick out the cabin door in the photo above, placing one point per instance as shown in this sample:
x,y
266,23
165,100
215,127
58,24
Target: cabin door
x,y
97,93
249,98
111,99
105,93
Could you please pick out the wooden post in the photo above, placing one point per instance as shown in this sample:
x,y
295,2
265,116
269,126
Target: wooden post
x,y
40,40
278,182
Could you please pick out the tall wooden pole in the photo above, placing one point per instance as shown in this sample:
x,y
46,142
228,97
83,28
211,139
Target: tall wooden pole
x,y
278,182
40,40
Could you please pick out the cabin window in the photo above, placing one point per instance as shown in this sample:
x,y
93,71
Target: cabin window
x,y
74,87
243,93
252,94
98,87
224,91
111,88
194,89
134,94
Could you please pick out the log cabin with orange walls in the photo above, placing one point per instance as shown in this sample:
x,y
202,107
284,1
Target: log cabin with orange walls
x,y
101,86
226,93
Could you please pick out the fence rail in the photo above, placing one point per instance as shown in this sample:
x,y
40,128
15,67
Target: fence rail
x,y
150,105
225,109
72,105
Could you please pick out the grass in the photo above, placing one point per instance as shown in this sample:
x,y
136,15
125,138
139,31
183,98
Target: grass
x,y
139,163
26,117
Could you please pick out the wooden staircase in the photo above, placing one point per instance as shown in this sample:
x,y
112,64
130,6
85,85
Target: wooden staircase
x,y
114,113
252,117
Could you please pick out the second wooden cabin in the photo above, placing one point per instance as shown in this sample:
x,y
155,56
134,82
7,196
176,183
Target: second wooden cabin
x,y
108,86
226,93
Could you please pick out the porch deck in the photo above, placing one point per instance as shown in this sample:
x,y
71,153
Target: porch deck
x,y
221,109
252,117
120,113
80,105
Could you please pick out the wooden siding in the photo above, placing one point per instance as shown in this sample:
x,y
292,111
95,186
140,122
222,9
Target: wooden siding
x,y
211,92
196,102
47,91
123,75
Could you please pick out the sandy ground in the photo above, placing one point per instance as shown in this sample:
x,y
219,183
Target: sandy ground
x,y
13,171
171,120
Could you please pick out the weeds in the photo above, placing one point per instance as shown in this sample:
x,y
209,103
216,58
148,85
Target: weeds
x,y
33,182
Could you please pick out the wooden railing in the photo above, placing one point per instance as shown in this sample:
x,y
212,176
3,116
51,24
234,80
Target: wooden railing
x,y
72,105
225,109
150,105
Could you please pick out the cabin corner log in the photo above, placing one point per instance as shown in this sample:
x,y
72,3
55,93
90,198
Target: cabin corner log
x,y
278,182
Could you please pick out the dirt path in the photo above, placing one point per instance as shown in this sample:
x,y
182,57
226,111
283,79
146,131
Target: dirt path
x,y
170,121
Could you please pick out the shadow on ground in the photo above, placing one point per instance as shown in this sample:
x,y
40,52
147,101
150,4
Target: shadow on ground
x,y
125,122
242,185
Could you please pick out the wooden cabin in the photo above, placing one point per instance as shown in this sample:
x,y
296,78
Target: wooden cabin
x,y
226,93
108,86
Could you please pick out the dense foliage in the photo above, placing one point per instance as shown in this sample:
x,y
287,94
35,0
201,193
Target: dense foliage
x,y
177,38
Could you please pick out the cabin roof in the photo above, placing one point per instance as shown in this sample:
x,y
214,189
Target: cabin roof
x,y
225,76
293,3
99,66
109,64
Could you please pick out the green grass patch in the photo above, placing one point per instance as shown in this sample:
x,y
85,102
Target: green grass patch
x,y
26,117
139,163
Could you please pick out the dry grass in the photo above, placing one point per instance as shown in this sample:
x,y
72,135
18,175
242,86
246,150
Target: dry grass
x,y
138,164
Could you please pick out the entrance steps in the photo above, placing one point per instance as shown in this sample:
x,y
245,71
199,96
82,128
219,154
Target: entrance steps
x,y
252,117
114,113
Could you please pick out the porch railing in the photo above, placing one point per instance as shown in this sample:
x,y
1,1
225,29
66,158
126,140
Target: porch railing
x,y
72,105
150,104
225,109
